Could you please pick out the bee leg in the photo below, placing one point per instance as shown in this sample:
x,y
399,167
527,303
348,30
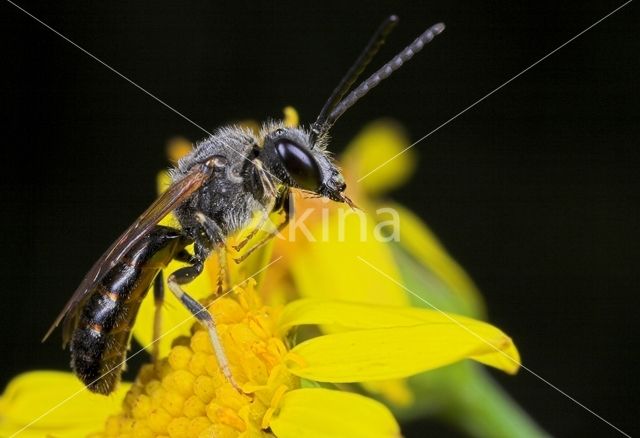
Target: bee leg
x,y
184,276
214,234
185,256
284,205
224,277
251,235
158,297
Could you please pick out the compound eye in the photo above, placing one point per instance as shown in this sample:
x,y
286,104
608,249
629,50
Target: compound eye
x,y
300,164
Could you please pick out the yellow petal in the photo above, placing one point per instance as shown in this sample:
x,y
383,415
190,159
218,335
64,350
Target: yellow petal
x,y
374,148
345,315
319,412
324,261
399,348
421,243
67,409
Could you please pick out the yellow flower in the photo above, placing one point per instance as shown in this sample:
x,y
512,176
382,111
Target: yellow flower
x,y
186,395
295,380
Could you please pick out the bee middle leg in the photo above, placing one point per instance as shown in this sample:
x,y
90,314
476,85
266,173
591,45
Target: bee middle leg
x,y
214,234
158,299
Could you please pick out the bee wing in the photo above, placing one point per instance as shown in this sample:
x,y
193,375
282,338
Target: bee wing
x,y
175,195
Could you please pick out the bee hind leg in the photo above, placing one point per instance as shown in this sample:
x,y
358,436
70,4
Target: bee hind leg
x,y
183,276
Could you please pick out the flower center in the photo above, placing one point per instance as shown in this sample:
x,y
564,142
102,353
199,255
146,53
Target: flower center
x,y
186,395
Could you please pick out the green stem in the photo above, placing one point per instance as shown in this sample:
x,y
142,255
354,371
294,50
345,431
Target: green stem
x,y
482,408
467,397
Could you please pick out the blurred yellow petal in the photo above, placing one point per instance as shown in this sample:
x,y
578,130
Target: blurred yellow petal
x,y
291,118
67,409
403,350
376,145
324,261
178,147
396,392
320,413
417,239
163,180
250,124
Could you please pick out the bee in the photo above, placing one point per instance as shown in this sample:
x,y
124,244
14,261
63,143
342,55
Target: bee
x,y
215,190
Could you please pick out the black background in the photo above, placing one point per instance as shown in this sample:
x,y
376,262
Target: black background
x,y
534,190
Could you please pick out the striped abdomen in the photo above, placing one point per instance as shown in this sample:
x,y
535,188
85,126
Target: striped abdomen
x,y
102,330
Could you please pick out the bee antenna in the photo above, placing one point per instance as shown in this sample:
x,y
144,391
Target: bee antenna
x,y
372,47
384,72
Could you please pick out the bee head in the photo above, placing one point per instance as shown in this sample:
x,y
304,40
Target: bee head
x,y
298,162
299,158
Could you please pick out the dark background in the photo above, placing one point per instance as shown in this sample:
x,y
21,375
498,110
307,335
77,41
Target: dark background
x,y
534,191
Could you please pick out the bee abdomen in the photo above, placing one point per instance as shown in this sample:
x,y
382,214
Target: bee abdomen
x,y
91,361
99,343
99,333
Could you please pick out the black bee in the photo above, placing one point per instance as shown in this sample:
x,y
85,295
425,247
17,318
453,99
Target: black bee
x,y
216,190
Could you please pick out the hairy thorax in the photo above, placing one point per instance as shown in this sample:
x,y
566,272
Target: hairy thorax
x,y
234,191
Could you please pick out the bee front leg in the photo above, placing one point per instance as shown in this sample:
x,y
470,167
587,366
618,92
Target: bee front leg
x,y
283,205
186,275
263,219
